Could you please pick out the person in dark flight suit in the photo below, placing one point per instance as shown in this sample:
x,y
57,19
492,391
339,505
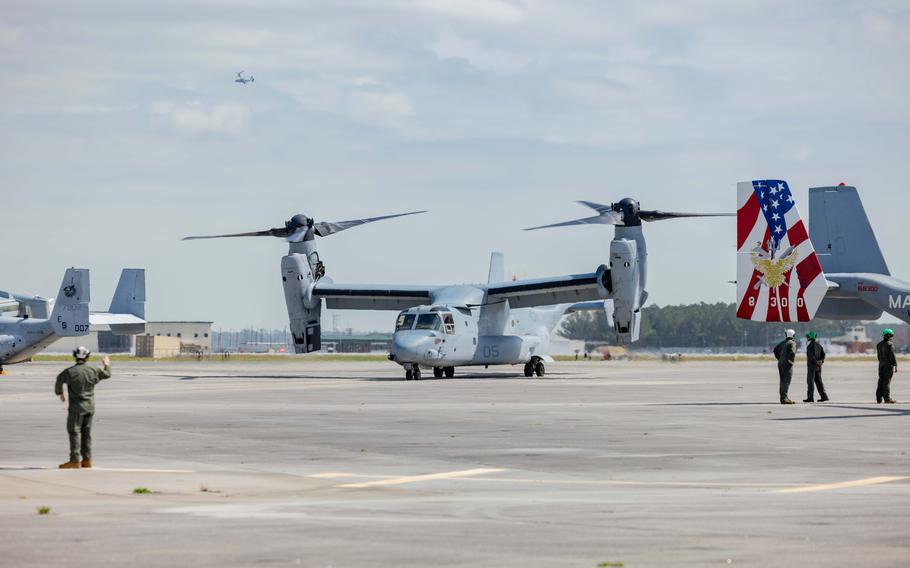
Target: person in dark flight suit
x,y
80,381
815,358
785,351
887,366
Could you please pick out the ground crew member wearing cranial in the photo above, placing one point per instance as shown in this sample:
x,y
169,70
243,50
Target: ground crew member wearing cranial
x,y
815,358
785,351
887,366
80,381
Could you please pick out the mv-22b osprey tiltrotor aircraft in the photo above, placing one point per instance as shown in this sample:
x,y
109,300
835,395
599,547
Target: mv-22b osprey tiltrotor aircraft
x,y
835,270
443,327
38,322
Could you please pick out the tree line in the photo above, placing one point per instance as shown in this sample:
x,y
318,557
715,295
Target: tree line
x,y
695,325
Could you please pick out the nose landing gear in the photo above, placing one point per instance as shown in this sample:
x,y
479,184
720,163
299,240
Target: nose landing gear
x,y
412,374
535,367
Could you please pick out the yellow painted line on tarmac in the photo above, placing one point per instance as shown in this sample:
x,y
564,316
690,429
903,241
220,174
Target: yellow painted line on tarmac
x,y
418,478
844,484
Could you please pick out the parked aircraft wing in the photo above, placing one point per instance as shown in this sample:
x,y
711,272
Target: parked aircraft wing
x,y
779,277
372,296
555,290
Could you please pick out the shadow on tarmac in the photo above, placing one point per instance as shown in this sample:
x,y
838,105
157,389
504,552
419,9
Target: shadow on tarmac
x,y
879,411
424,377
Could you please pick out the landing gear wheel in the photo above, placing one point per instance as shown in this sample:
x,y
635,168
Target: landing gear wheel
x,y
408,375
529,370
416,373
437,372
539,369
449,371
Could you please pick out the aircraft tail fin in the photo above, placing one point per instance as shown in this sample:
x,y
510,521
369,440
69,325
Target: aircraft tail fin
x,y
126,315
497,268
129,297
779,276
838,225
70,317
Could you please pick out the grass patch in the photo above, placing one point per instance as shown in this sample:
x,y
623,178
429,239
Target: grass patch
x,y
611,565
141,491
44,510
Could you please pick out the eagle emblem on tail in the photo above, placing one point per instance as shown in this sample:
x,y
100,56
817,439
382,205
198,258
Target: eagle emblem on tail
x,y
773,270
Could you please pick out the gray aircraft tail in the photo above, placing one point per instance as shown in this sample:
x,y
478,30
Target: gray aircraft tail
x,y
126,315
841,232
70,316
846,244
497,268
129,298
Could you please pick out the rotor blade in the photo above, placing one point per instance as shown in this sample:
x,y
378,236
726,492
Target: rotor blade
x,y
661,215
279,232
600,208
324,229
606,219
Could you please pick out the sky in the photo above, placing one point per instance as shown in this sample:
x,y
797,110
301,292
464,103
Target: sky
x,y
123,131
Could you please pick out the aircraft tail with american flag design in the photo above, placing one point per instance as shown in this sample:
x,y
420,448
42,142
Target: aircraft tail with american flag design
x,y
778,275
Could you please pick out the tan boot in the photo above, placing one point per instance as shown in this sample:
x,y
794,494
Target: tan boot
x,y
70,465
86,463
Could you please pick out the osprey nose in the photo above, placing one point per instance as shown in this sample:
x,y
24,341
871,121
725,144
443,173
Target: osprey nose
x,y
408,346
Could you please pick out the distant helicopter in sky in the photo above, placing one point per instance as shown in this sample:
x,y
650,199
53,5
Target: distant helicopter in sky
x,y
241,79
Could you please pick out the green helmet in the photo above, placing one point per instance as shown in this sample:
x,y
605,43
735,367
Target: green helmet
x,y
887,332
811,335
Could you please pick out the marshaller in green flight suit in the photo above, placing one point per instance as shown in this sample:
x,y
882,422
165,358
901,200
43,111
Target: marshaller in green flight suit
x,y
785,352
80,381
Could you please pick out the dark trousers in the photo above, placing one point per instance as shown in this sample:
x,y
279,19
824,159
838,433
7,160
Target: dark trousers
x,y
786,374
79,427
815,381
883,392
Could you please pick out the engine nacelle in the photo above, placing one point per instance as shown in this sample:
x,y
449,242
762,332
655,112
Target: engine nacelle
x,y
298,275
625,279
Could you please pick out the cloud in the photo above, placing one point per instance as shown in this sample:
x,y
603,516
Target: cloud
x,y
382,104
196,118
8,36
494,11
451,46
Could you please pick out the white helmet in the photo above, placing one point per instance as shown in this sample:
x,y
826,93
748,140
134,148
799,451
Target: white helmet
x,y
81,353
791,333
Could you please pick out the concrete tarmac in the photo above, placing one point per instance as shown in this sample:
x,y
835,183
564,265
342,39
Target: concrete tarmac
x,y
315,463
